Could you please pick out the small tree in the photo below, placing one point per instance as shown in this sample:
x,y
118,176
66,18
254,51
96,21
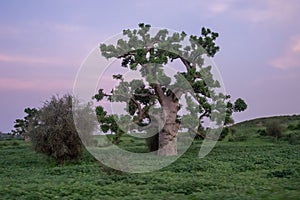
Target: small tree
x,y
21,125
53,132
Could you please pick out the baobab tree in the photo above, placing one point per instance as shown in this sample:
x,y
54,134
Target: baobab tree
x,y
153,102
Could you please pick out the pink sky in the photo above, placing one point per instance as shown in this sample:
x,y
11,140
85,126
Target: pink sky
x,y
44,43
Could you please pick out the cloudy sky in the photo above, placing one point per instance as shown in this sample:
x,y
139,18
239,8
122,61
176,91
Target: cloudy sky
x,y
43,44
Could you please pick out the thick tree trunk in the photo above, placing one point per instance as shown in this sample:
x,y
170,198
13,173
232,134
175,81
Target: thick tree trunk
x,y
167,143
167,137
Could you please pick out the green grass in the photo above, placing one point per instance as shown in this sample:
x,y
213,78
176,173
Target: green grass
x,y
250,130
284,120
253,169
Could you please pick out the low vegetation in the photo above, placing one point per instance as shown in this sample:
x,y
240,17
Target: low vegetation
x,y
245,170
244,165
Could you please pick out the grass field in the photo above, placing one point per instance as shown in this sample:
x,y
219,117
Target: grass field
x,y
256,168
231,171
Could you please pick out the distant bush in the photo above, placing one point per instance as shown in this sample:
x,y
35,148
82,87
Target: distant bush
x,y
227,131
293,127
293,139
237,138
262,132
15,143
9,143
274,129
53,131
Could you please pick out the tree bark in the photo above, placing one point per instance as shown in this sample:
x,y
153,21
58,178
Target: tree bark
x,y
167,144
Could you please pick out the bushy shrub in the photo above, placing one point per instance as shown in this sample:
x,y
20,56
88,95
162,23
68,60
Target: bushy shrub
x,y
274,129
53,131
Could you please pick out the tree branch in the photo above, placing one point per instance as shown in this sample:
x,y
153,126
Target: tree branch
x,y
144,95
196,132
139,107
160,93
130,53
186,63
203,114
